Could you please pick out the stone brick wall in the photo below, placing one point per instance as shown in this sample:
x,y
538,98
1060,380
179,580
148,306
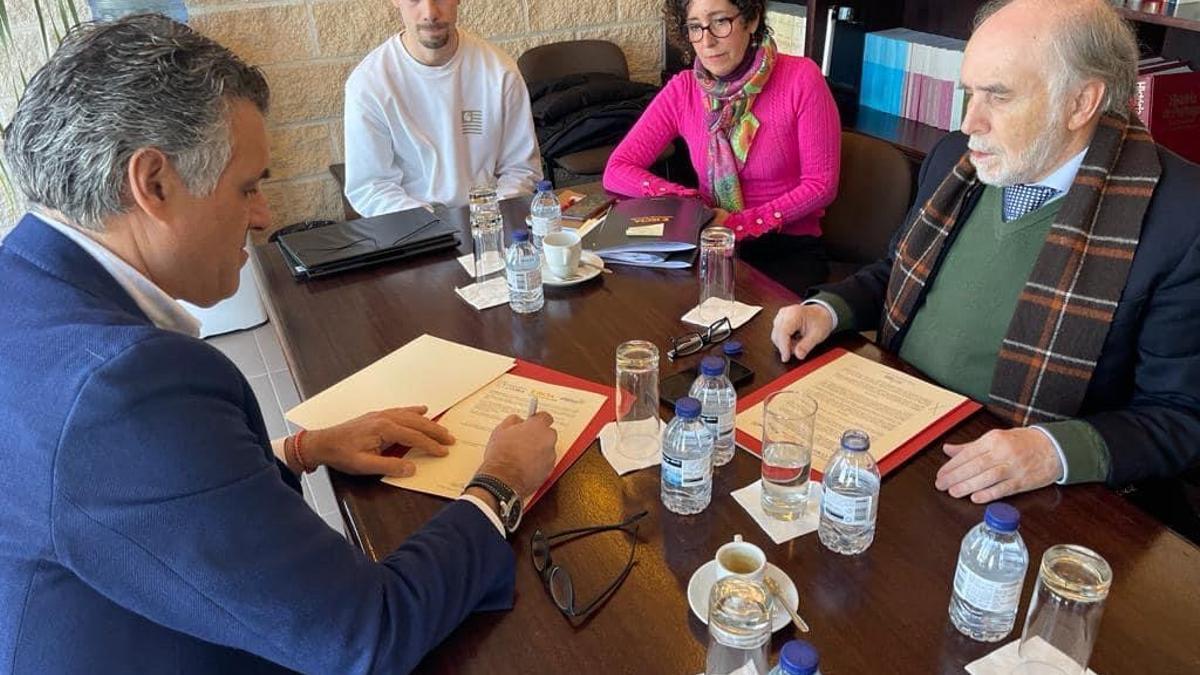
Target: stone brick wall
x,y
308,47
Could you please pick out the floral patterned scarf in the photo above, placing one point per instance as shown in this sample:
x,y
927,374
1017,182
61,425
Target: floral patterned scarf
x,y
731,124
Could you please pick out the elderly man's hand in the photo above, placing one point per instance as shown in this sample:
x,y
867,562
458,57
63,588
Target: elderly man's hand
x,y
799,328
356,446
998,464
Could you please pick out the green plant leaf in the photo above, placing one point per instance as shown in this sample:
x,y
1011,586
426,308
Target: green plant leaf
x,y
37,6
5,28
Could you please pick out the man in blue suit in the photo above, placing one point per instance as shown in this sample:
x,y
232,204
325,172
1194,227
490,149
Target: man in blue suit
x,y
149,523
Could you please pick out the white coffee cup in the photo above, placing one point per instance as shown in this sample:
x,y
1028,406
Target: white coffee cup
x,y
562,251
742,559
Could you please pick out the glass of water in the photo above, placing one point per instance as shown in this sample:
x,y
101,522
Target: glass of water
x,y
1064,615
789,418
487,234
739,627
638,425
716,273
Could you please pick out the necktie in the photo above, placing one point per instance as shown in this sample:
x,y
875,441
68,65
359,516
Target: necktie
x,y
1021,199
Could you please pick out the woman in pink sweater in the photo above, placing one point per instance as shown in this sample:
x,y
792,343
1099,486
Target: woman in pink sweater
x,y
762,132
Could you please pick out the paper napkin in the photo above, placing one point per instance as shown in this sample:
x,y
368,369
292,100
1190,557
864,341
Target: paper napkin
x,y
491,293
741,313
620,463
1003,660
468,263
750,497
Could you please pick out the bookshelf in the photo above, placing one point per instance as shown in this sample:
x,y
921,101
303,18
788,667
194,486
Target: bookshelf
x,y
1176,36
1173,36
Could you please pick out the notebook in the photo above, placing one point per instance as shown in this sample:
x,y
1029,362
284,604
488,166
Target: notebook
x,y
368,241
680,217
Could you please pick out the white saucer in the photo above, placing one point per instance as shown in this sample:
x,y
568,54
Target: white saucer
x,y
702,582
590,266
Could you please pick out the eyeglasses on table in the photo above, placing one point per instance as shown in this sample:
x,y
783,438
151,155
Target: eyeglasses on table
x,y
557,579
690,343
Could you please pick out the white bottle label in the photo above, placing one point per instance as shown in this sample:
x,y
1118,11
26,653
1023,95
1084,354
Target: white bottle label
x,y
846,509
718,425
984,594
523,282
686,473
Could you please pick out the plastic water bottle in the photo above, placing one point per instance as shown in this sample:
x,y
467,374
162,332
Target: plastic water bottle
x,y
990,573
523,266
850,499
687,460
545,213
718,403
797,657
107,10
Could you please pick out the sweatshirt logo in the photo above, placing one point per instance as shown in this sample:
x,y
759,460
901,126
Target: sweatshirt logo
x,y
472,122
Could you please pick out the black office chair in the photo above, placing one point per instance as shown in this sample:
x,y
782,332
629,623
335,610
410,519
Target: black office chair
x,y
559,59
874,194
339,175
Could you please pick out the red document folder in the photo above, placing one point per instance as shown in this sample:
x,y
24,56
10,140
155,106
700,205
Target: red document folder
x,y
590,433
889,463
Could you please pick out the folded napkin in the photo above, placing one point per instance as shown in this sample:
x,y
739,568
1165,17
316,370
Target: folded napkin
x,y
609,439
741,313
1003,660
491,293
468,263
750,497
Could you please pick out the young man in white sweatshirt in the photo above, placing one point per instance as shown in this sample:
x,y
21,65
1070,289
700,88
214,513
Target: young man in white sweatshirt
x,y
432,112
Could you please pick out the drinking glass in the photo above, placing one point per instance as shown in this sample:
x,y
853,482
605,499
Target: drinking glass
x,y
487,233
638,425
1064,615
789,418
482,198
739,626
716,273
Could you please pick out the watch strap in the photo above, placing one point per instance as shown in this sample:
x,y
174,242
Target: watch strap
x,y
506,497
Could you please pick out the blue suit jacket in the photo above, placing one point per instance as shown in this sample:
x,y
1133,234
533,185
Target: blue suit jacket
x,y
146,525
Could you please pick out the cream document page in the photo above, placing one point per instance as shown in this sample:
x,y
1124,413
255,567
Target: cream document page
x,y
428,371
856,393
473,420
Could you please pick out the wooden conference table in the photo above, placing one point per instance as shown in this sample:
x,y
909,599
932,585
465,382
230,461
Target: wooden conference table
x,y
884,611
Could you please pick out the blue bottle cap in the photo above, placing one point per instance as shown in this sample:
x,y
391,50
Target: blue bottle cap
x,y
520,235
687,408
1002,517
853,439
732,347
799,658
544,186
712,365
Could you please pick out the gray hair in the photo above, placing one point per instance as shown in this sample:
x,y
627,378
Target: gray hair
x,y
1092,42
113,88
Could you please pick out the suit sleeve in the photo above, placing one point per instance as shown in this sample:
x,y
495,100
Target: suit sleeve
x,y
168,502
520,165
1155,435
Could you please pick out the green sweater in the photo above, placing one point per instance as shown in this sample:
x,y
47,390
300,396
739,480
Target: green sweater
x,y
955,336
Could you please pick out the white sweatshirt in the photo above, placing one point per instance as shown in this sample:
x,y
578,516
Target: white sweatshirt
x,y
418,134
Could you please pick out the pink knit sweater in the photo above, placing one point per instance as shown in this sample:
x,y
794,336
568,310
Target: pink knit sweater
x,y
791,171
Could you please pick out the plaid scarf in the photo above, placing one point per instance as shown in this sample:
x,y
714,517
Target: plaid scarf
x,y
1063,314
731,125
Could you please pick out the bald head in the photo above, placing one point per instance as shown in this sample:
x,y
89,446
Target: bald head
x,y
1040,74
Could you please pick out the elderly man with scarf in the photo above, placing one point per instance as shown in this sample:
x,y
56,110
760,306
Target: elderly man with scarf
x,y
1050,266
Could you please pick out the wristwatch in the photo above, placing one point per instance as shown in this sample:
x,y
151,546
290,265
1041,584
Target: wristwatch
x,y
510,503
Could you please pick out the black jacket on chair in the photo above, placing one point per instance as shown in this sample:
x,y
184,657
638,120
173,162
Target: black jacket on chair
x,y
586,110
